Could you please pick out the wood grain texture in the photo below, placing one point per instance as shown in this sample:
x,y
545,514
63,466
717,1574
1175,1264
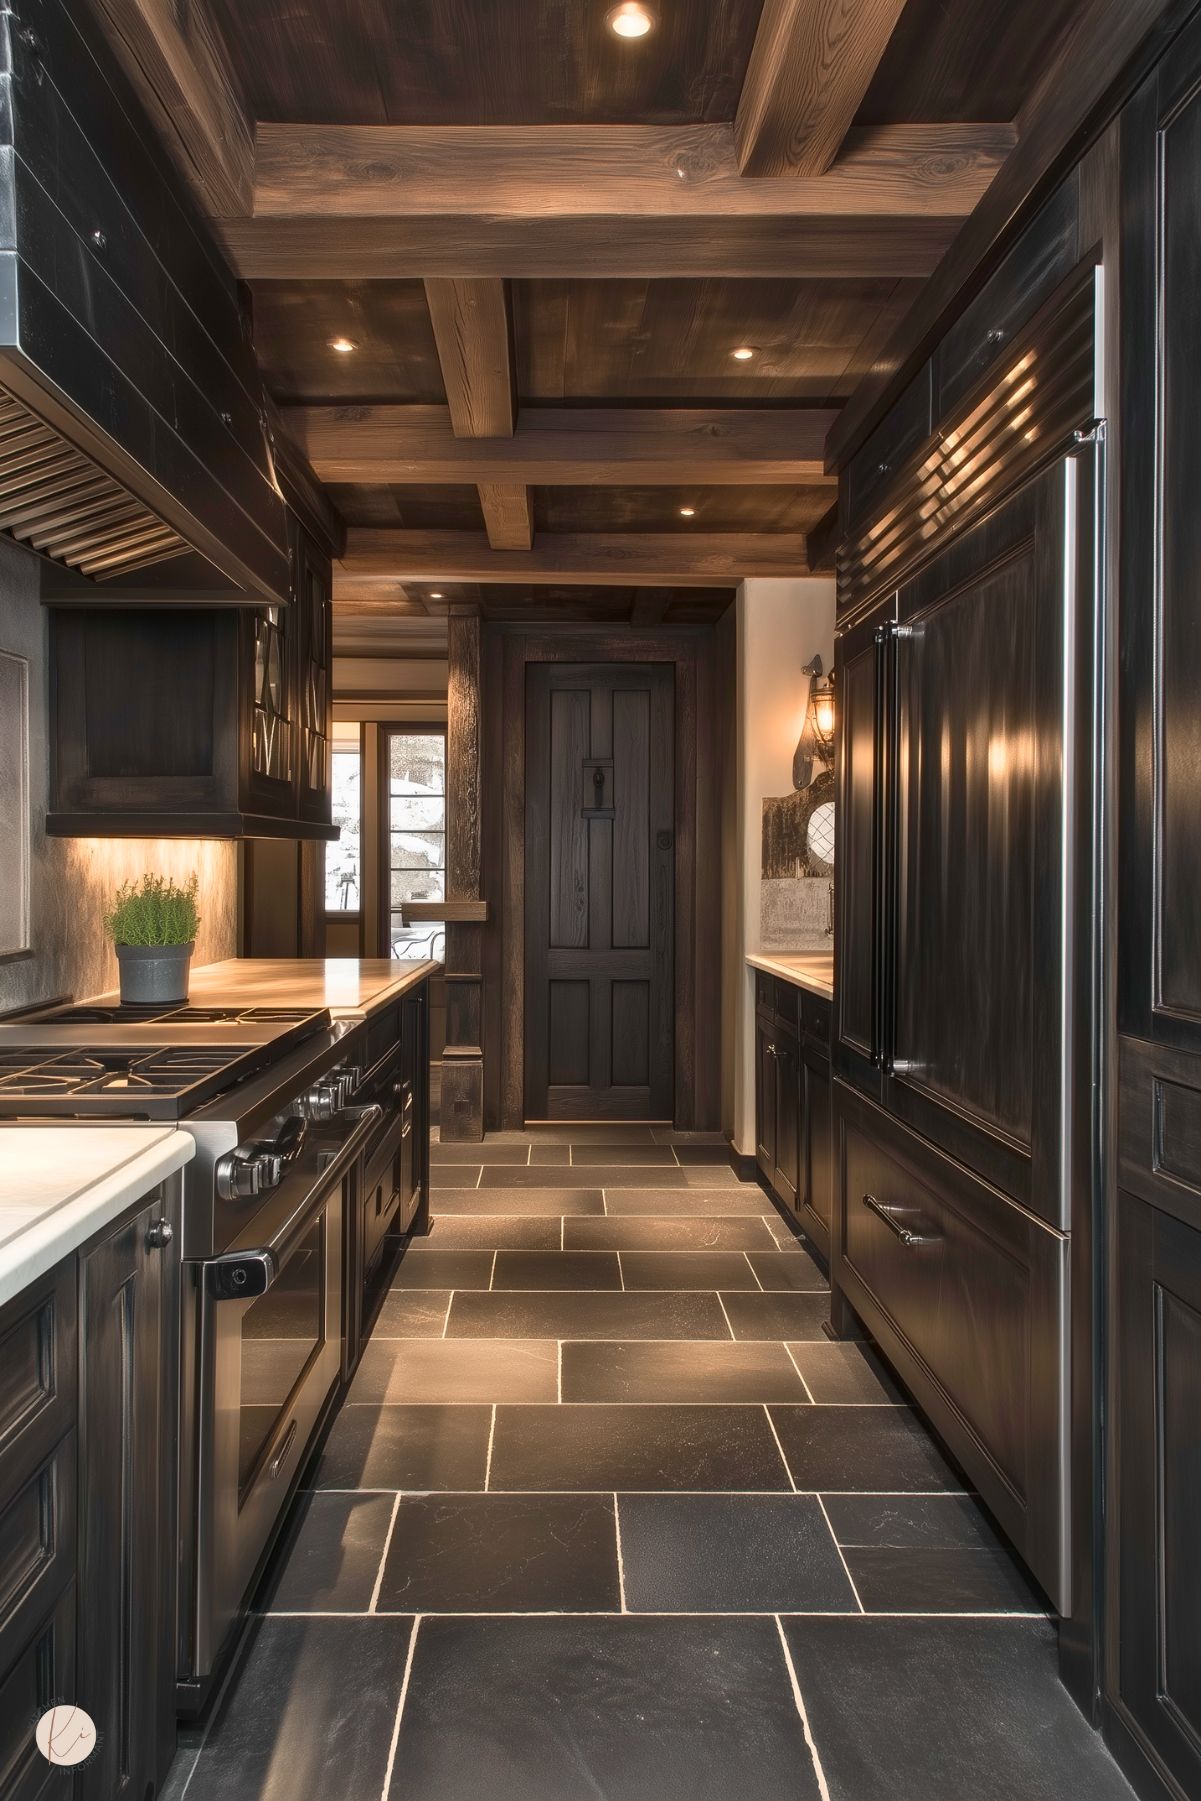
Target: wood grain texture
x,y
812,63
474,338
614,446
375,562
463,758
1097,64
580,171
476,247
178,62
508,515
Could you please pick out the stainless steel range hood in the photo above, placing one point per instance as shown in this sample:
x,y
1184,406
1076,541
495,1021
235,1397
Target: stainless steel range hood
x,y
133,426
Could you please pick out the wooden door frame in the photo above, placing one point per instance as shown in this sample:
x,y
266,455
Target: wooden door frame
x,y
697,922
388,728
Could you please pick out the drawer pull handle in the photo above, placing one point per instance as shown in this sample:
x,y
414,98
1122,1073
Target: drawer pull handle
x,y
893,1223
281,1456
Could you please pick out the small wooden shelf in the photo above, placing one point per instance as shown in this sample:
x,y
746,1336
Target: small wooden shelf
x,y
467,912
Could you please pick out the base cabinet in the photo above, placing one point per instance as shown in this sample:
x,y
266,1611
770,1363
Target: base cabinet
x,y
1157,1396
128,1396
793,1146
89,1398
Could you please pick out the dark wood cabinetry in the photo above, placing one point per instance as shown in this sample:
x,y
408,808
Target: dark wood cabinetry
x,y
792,1101
1154,1653
196,721
128,1411
89,1406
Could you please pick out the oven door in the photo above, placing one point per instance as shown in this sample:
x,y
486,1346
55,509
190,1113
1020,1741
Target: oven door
x,y
270,1315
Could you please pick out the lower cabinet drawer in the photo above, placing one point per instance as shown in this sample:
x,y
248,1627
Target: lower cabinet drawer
x,y
44,1672
765,992
816,1011
965,1293
37,1372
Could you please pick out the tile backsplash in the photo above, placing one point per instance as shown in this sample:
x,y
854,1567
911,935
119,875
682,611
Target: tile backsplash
x,y
794,914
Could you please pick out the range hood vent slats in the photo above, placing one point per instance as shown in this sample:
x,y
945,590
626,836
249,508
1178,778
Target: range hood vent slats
x,y
111,535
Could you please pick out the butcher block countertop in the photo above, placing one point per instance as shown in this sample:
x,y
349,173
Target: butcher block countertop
x,y
813,970
352,988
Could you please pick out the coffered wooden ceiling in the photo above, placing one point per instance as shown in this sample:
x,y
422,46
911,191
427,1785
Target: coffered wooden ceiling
x,y
544,245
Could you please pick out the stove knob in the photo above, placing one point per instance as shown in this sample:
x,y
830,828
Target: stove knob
x,y
321,1102
241,1177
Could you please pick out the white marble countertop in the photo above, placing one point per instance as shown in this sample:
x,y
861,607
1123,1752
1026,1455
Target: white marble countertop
x,y
813,970
351,987
60,1184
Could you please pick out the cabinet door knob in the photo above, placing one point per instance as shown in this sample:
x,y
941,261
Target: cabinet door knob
x,y
159,1235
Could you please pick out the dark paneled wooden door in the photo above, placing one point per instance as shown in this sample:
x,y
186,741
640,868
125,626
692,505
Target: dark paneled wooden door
x,y
599,891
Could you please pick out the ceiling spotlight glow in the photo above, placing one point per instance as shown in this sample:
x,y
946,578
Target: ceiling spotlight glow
x,y
343,346
435,594
687,512
743,354
630,20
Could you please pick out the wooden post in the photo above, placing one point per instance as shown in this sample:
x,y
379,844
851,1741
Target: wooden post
x,y
462,1119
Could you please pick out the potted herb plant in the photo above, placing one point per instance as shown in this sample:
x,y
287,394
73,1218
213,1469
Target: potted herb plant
x,y
153,927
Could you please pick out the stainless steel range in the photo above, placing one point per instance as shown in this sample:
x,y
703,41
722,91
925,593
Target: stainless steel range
x,y
270,1097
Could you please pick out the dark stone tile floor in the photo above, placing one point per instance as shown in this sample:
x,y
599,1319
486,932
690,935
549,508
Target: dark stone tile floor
x,y
604,1514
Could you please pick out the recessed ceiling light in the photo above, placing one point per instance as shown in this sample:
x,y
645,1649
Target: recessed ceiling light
x,y
343,346
687,512
630,20
435,594
744,353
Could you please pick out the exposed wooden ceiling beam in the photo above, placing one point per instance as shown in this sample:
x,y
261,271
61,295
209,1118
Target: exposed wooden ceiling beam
x,y
811,64
377,562
609,446
1100,60
508,515
474,335
470,202
178,62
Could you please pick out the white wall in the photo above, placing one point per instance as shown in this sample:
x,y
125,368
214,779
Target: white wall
x,y
781,626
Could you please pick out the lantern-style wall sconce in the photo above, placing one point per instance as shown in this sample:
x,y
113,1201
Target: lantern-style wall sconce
x,y
816,743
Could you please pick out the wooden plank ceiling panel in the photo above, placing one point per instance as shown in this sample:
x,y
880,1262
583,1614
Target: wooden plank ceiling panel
x,y
437,506
673,340
378,563
477,62
395,356
972,59
766,509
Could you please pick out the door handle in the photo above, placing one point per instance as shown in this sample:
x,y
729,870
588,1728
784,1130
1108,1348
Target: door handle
x,y
281,1456
894,1225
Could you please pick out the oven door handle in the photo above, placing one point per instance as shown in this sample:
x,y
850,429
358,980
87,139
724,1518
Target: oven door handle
x,y
244,1275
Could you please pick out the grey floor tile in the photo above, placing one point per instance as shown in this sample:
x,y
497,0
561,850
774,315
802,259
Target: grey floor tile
x,y
579,1709
334,1558
492,1231
594,1175
684,1203
844,1373
635,1448
687,1269
625,1155
730,1554
412,1313
670,1135
550,1155
457,1369
446,1178
414,1447
1008,1730
485,1154
934,1581
594,1134
715,1234
788,1271
570,1313
680,1371
533,1201
874,1448
428,1268
779,1316
911,1522
500,1553
704,1154
310,1713
557,1269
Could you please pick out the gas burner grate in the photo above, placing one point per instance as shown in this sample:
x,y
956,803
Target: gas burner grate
x,y
161,1082
182,1015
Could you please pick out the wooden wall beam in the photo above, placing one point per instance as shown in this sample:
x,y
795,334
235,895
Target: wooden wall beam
x,y
617,446
1102,57
379,560
179,65
811,64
